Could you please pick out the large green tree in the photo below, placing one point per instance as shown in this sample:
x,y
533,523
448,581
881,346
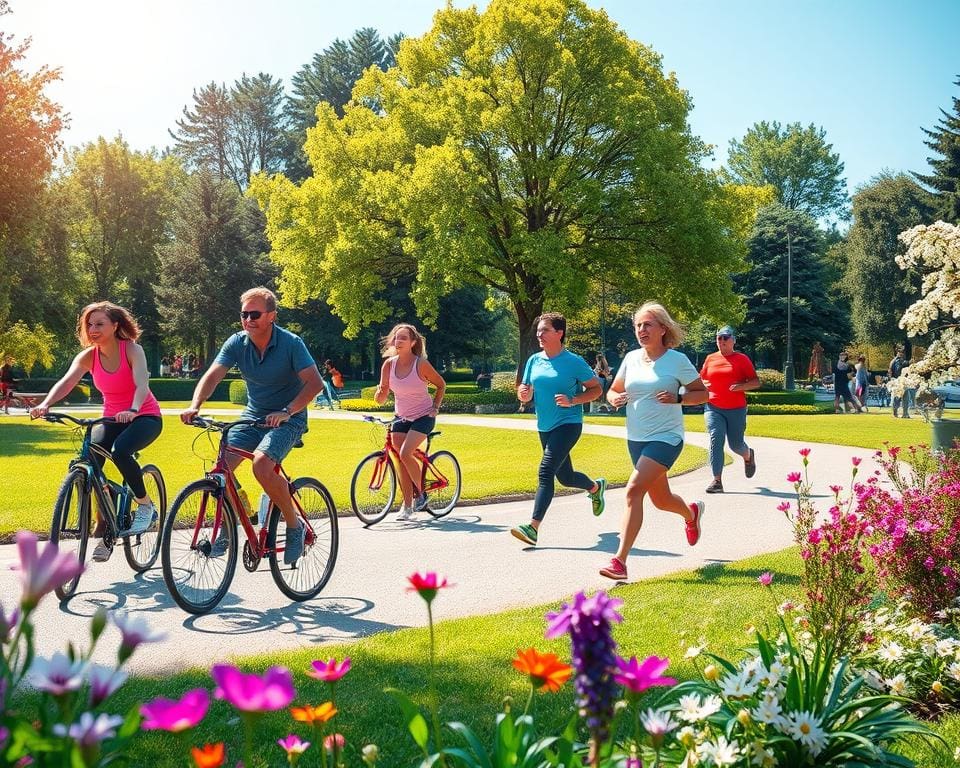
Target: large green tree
x,y
944,178
796,161
526,148
329,78
30,124
879,290
117,204
763,288
214,254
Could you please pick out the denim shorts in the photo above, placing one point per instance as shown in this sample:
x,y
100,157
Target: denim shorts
x,y
424,425
655,450
275,443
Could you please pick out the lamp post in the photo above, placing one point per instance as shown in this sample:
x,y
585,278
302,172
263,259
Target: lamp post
x,y
788,382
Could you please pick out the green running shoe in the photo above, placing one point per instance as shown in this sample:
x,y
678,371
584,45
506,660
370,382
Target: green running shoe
x,y
526,533
597,498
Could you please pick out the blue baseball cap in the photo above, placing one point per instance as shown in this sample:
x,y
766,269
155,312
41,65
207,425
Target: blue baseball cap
x,y
727,331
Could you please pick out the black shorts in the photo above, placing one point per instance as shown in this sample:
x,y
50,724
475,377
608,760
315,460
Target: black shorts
x,y
423,425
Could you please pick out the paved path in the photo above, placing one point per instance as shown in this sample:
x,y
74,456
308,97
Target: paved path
x,y
492,571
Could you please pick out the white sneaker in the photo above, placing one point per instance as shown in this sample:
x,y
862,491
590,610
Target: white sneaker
x,y
143,518
406,513
102,552
421,502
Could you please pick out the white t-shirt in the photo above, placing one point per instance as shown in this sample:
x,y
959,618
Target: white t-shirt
x,y
647,419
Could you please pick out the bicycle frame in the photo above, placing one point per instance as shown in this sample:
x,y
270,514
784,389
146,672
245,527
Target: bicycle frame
x,y
225,478
390,452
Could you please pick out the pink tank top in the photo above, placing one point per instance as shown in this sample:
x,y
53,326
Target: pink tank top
x,y
410,393
118,388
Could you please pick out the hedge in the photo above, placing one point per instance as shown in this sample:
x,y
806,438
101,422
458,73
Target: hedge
x,y
775,410
237,392
771,380
364,404
182,389
455,403
797,397
79,394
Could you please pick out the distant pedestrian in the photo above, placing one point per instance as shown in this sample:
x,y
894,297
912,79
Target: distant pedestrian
x,y
861,381
605,374
648,383
727,375
842,374
559,383
893,372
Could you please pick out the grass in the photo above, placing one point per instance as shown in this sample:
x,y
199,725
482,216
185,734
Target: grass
x,y
661,616
494,462
868,430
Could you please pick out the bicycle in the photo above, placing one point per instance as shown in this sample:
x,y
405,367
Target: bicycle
x,y
198,575
372,499
10,399
70,529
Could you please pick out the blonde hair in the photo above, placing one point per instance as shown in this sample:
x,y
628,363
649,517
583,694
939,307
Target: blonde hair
x,y
419,346
673,333
127,326
268,296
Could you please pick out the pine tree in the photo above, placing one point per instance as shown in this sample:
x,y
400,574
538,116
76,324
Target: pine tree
x,y
945,180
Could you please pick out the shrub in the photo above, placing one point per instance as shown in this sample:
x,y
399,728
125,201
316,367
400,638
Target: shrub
x,y
459,375
237,391
182,389
770,380
467,403
504,381
774,410
366,393
364,404
797,397
79,394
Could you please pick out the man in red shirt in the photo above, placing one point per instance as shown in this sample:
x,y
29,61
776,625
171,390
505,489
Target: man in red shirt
x,y
727,374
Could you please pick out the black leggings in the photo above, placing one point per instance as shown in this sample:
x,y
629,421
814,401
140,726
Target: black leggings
x,y
122,441
557,444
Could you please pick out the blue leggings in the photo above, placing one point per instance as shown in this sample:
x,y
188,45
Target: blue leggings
x,y
725,424
557,444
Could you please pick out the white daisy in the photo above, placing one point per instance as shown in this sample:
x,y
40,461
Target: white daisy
x,y
891,651
768,711
898,685
805,728
721,752
739,685
689,708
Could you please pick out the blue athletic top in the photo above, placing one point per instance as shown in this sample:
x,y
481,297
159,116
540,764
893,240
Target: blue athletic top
x,y
565,374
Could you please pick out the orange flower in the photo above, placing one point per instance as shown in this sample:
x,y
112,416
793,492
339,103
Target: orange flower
x,y
311,715
208,756
545,670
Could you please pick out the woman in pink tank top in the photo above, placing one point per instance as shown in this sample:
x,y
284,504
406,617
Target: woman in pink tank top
x,y
406,373
118,365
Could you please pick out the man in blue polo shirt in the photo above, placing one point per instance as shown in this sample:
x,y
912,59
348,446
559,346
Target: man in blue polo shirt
x,y
282,381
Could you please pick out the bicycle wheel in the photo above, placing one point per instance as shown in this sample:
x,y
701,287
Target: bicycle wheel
x,y
306,577
141,550
442,481
70,529
373,488
196,570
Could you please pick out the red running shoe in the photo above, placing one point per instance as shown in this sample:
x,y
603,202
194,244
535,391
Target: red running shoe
x,y
693,526
616,570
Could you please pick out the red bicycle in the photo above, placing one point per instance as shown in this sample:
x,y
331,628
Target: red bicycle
x,y
201,544
374,485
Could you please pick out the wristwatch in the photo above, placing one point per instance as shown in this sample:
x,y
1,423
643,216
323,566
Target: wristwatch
x,y
134,410
286,410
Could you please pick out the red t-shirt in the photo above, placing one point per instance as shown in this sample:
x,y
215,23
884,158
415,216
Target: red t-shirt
x,y
721,372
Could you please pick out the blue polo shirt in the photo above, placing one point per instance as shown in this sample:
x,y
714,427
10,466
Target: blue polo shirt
x,y
272,380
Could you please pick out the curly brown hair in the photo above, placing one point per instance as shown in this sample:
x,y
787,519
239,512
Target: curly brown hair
x,y
127,326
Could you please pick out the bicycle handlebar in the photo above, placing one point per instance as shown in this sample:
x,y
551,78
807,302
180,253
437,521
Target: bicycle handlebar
x,y
384,422
205,422
60,418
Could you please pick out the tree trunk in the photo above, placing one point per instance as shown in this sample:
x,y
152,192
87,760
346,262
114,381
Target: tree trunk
x,y
527,314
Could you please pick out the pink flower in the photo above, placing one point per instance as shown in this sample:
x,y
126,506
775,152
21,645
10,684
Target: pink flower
x,y
104,681
426,585
175,716
637,677
804,452
292,745
784,506
815,536
855,460
42,573
8,622
765,578
793,477
329,671
253,693
836,489
334,739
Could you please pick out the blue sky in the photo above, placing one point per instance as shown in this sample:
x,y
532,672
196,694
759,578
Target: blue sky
x,y
871,73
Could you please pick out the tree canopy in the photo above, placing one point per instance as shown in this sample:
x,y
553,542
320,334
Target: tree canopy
x,y
796,161
527,148
944,178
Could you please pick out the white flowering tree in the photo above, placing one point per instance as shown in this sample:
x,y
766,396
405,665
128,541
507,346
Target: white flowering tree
x,y
933,251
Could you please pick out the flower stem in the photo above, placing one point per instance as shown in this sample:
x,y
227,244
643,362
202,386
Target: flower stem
x,y
434,705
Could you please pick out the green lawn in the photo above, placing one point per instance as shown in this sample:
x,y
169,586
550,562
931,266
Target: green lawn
x,y
867,430
494,462
661,616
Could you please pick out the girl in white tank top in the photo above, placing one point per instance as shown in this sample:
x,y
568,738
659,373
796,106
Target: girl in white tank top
x,y
406,372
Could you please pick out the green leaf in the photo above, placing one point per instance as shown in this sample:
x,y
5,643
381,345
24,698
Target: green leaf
x,y
413,718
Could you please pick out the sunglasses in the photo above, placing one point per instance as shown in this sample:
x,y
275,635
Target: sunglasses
x,y
253,314
724,337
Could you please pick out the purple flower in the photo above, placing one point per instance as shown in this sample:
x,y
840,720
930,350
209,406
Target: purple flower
x,y
329,671
175,716
765,578
104,681
587,620
637,676
42,573
253,693
7,623
90,730
58,676
134,631
292,745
